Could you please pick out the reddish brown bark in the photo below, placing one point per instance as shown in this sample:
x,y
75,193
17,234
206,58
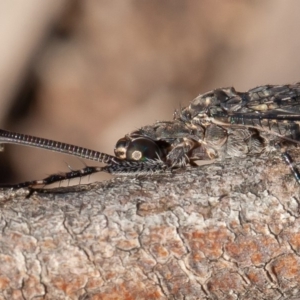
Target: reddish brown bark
x,y
224,231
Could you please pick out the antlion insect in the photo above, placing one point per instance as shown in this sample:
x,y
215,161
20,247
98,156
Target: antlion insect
x,y
220,124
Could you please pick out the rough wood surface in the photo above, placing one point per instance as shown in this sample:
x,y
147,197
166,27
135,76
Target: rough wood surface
x,y
223,231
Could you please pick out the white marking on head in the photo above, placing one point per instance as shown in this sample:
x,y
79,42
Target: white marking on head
x,y
136,155
120,152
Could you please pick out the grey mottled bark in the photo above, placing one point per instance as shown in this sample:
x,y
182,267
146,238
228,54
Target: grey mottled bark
x,y
223,231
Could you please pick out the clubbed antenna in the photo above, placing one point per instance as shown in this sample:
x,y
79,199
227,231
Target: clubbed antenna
x,y
7,137
114,164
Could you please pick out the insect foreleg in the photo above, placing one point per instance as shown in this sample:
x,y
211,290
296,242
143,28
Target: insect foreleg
x,y
178,156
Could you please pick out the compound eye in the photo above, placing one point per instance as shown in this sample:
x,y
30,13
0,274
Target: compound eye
x,y
141,149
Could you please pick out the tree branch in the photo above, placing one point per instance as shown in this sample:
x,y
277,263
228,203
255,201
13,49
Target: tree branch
x,y
223,231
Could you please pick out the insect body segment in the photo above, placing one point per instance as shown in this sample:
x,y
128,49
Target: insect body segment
x,y
219,124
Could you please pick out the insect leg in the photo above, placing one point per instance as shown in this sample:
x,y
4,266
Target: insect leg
x,y
289,161
178,155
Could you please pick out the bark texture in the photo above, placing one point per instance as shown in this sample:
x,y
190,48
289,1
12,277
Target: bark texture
x,y
223,231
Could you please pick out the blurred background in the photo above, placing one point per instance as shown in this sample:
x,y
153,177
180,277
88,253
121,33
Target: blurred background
x,y
88,72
